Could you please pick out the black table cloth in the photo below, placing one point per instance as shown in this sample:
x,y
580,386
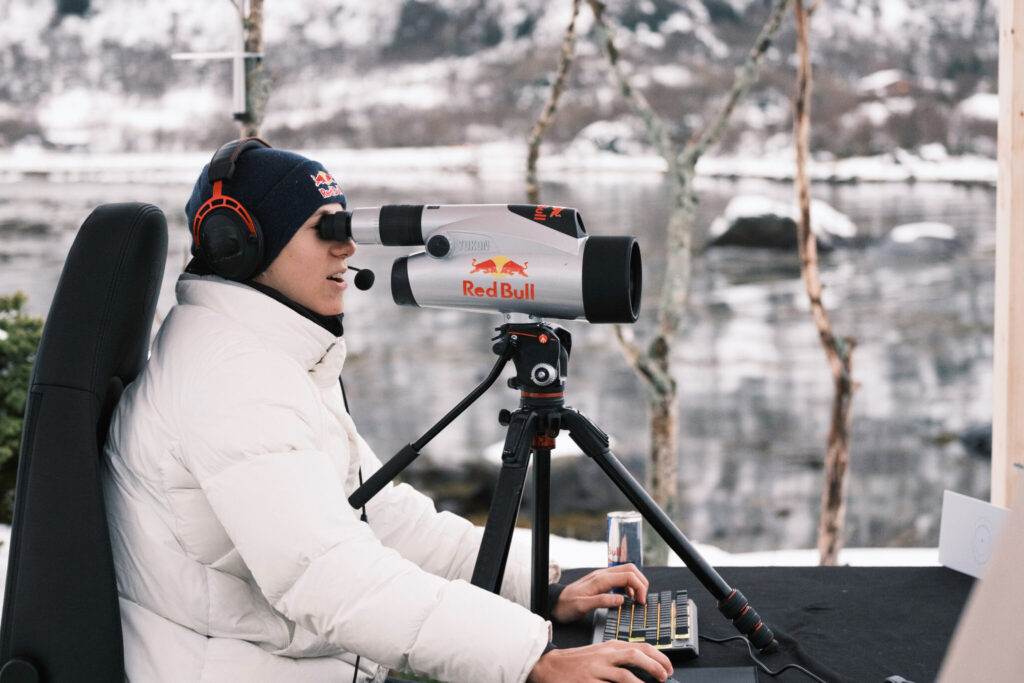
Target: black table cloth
x,y
845,624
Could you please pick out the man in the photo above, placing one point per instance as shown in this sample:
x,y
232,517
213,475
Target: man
x,y
230,461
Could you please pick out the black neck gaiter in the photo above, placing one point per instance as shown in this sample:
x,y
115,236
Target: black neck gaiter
x,y
331,323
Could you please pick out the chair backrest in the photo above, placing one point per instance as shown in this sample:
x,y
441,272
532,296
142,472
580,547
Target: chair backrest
x,y
61,620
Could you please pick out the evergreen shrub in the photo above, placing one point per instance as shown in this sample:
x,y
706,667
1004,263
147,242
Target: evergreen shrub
x,y
19,340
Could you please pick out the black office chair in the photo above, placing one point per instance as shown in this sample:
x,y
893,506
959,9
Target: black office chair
x,y
61,620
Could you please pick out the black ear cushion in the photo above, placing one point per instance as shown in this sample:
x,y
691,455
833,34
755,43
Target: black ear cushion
x,y
228,246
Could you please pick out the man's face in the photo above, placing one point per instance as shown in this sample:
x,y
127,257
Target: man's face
x,y
309,269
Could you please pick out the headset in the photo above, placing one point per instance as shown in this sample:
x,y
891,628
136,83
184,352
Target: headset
x,y
224,234
226,237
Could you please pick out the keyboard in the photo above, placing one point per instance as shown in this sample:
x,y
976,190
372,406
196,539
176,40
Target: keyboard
x,y
668,622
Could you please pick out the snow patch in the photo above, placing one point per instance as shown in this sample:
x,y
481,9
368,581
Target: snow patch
x,y
672,75
623,136
934,151
645,36
909,232
880,80
678,23
901,105
574,553
875,112
980,106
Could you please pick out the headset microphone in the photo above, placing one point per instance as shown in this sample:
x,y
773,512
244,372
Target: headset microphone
x,y
364,278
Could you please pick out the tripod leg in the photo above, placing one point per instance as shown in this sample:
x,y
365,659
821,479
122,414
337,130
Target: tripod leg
x,y
541,527
501,520
731,602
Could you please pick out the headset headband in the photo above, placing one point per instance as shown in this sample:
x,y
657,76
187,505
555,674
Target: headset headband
x,y
222,165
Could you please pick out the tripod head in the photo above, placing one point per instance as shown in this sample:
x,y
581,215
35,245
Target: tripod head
x,y
540,353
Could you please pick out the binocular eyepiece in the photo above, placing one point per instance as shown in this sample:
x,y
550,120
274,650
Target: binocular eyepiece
x,y
509,258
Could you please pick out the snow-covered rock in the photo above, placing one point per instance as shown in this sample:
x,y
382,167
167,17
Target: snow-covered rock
x,y
910,232
622,136
920,243
759,221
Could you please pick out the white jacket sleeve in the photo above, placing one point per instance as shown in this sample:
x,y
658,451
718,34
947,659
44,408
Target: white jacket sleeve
x,y
440,542
253,441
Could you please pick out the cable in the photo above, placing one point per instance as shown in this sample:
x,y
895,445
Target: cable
x,y
362,518
758,661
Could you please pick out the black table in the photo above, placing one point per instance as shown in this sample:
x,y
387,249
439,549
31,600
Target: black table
x,y
846,624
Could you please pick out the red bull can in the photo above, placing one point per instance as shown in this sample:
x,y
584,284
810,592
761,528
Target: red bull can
x,y
625,538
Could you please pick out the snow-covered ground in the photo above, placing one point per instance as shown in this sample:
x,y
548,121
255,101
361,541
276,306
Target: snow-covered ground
x,y
571,552
497,160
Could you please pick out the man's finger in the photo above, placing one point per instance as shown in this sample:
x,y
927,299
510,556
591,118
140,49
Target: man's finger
x,y
609,600
631,578
647,657
618,575
658,656
616,674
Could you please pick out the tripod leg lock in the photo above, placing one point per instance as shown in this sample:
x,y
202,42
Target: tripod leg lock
x,y
747,621
585,433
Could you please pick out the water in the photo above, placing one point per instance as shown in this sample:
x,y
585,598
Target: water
x,y
755,390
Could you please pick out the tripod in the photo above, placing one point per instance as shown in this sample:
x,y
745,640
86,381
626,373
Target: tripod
x,y
540,353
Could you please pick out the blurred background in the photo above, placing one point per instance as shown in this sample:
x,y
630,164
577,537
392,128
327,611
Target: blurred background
x,y
432,102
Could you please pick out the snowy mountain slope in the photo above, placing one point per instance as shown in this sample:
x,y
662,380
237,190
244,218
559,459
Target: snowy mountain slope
x,y
409,72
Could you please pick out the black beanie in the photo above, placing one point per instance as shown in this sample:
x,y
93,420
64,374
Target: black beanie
x,y
279,189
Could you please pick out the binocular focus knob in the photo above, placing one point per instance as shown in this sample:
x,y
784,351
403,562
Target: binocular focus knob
x,y
438,246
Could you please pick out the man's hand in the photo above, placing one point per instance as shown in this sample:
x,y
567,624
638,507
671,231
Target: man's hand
x,y
599,663
591,592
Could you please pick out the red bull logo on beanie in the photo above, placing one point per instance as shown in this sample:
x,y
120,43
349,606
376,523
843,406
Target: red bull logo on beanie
x,y
499,267
326,184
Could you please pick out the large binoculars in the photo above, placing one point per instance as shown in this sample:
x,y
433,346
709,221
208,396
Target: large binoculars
x,y
509,258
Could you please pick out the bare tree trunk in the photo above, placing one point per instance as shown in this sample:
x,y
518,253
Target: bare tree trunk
x,y
653,364
257,84
541,126
838,351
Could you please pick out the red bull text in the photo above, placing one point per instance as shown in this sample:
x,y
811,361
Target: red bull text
x,y
498,290
499,267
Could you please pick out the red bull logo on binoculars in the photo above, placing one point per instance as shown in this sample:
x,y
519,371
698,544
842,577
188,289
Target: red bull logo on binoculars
x,y
499,267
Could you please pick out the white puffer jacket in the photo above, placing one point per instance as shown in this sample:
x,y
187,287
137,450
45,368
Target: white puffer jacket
x,y
230,461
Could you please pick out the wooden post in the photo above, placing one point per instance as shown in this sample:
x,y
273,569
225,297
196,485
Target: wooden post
x,y
1008,377
256,86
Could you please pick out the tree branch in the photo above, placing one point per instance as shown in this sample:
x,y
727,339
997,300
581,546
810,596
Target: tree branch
x,y
838,351
745,77
656,381
656,132
542,123
239,8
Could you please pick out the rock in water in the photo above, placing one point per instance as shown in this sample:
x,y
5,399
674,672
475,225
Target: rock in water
x,y
757,221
